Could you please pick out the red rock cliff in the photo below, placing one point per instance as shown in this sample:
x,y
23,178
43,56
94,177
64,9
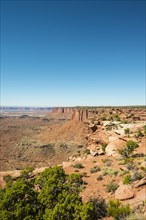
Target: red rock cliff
x,y
80,115
75,114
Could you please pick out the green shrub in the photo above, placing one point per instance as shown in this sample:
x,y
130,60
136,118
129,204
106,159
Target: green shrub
x,y
95,169
117,210
117,118
123,172
75,179
143,169
110,172
51,195
103,118
18,200
127,179
130,166
138,155
27,172
7,178
111,187
105,171
104,145
108,163
124,121
111,118
139,134
100,208
100,177
128,149
108,128
128,160
106,160
86,151
115,172
127,131
78,165
132,144
122,162
136,176
129,163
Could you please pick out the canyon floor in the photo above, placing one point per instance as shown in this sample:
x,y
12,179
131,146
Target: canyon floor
x,y
86,141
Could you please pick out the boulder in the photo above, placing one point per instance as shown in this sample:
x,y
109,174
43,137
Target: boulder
x,y
101,152
95,138
143,164
124,192
113,147
106,123
94,148
113,138
94,153
120,131
140,183
110,123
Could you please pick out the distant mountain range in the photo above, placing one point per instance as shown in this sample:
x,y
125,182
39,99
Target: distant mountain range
x,y
7,108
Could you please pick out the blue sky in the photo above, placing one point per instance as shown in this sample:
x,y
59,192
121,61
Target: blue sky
x,y
68,53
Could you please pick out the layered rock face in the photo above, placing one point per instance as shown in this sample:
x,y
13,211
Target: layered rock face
x,y
83,114
62,110
74,113
80,115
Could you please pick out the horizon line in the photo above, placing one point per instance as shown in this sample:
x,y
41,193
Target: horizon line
x,y
75,106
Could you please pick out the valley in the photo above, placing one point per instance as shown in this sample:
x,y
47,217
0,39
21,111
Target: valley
x,y
107,146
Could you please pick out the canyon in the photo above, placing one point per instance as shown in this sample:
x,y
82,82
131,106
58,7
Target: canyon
x,y
82,140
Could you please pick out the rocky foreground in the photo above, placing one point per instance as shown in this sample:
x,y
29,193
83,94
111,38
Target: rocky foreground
x,y
111,155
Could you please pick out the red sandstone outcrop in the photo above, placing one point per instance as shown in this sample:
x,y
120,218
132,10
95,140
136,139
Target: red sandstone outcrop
x,y
80,115
75,113
124,192
83,114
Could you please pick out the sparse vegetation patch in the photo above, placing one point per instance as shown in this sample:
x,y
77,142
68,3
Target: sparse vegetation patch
x,y
95,169
78,165
111,187
117,210
128,149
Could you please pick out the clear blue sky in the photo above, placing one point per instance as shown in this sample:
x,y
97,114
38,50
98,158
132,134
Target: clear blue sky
x,y
68,53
